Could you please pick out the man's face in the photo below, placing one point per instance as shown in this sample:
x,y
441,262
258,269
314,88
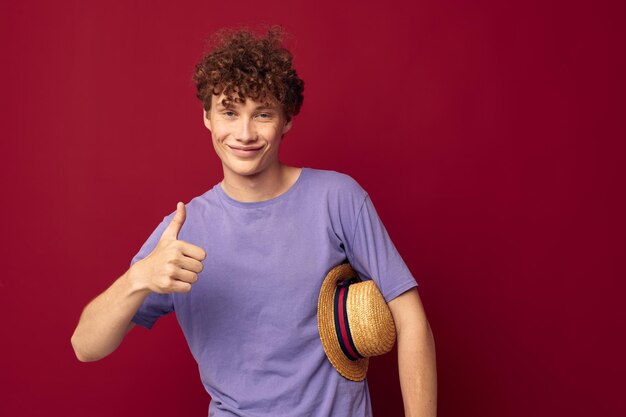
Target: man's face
x,y
246,137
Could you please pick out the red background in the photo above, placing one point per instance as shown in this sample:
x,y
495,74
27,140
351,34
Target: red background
x,y
490,136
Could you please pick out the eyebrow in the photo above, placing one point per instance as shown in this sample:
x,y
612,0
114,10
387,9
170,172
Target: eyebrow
x,y
266,107
220,105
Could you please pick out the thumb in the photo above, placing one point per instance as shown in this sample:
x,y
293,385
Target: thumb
x,y
171,232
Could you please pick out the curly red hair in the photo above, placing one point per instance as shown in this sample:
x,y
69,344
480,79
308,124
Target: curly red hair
x,y
242,65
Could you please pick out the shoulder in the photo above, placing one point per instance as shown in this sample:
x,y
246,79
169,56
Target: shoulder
x,y
335,182
197,209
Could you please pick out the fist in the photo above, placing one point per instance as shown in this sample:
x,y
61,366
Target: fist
x,y
173,266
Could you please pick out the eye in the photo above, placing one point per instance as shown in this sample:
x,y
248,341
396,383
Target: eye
x,y
228,114
265,115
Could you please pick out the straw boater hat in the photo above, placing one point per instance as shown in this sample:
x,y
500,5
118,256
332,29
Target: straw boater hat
x,y
354,322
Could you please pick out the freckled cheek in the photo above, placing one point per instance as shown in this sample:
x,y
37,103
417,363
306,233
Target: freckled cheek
x,y
273,137
218,137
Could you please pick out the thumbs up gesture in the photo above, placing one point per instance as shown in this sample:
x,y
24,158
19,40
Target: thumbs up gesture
x,y
173,265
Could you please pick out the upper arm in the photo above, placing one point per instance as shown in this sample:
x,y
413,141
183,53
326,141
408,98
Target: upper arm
x,y
408,311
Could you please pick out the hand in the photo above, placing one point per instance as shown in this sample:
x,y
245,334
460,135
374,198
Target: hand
x,y
173,265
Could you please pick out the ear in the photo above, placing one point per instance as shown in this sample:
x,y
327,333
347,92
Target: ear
x,y
207,120
287,126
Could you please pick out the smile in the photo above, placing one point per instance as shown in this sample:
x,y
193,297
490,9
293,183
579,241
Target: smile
x,y
244,152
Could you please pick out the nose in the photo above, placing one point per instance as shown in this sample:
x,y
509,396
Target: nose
x,y
245,132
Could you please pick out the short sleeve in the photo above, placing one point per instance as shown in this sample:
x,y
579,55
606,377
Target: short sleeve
x,y
155,305
373,255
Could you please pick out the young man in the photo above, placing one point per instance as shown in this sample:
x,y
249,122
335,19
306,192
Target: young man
x,y
242,264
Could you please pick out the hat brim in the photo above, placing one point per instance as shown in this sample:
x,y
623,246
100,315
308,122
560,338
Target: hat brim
x,y
353,370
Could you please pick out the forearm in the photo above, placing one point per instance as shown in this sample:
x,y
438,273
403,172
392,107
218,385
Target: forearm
x,y
106,320
417,369
416,355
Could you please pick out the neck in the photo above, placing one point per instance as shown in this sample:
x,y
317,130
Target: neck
x,y
265,186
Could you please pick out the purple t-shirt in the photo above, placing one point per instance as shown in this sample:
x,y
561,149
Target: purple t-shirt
x,y
251,319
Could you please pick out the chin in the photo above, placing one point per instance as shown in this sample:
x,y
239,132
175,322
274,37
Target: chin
x,y
246,171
